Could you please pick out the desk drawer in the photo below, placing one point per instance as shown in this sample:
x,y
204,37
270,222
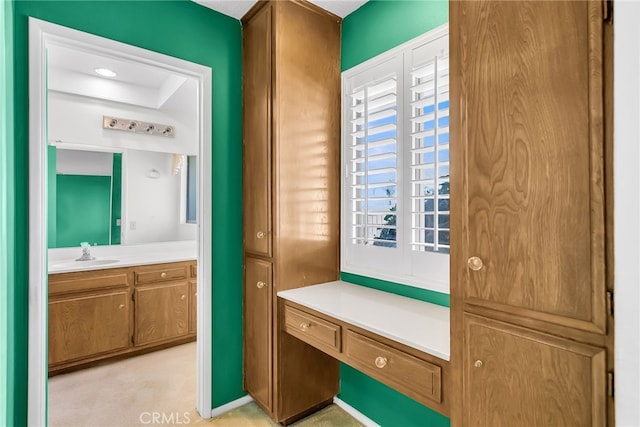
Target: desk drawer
x,y
312,330
408,374
159,274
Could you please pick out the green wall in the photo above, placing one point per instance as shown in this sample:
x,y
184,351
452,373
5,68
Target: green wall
x,y
374,28
83,210
7,353
181,29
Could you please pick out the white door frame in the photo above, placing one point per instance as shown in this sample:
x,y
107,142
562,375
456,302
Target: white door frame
x,y
42,34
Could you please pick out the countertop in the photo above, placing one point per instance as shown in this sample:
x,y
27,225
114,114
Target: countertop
x,y
63,260
415,323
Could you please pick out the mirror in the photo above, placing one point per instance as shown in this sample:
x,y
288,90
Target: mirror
x,y
122,151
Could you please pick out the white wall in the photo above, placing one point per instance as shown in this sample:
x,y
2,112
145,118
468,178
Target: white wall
x,y
73,162
76,119
627,210
153,204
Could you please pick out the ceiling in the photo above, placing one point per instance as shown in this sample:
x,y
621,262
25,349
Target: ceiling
x,y
237,8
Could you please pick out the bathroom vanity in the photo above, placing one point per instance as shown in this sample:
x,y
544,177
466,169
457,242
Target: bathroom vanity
x,y
108,308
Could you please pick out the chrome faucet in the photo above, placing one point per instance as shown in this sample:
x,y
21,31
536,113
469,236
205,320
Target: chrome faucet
x,y
86,252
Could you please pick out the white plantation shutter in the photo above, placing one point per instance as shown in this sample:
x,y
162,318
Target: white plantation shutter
x,y
429,153
372,159
395,156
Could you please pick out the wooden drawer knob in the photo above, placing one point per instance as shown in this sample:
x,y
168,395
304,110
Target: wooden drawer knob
x,y
183,297
381,362
305,326
475,263
478,364
121,306
163,274
261,234
260,284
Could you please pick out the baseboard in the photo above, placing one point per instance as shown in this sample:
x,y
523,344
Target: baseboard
x,y
368,422
231,405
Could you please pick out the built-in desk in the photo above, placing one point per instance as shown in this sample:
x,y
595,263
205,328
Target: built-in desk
x,y
400,341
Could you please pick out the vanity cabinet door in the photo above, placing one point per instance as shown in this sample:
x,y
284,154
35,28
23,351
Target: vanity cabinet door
x,y
516,377
161,312
88,325
257,330
257,134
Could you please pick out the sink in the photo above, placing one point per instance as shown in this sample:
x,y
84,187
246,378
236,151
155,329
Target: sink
x,y
83,264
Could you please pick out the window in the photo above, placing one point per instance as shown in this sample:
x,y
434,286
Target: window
x,y
395,207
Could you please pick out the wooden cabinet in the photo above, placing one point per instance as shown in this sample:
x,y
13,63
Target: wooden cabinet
x,y
257,335
516,376
161,312
529,221
95,315
291,187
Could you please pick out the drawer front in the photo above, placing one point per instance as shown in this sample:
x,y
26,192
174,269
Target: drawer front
x,y
410,375
312,330
86,281
159,274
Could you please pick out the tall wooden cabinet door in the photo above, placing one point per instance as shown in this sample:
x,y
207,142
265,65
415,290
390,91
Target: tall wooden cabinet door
x,y
528,123
257,330
257,133
83,326
161,312
516,377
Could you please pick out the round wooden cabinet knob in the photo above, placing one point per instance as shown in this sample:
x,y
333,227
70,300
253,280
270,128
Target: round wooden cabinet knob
x,y
475,263
163,274
183,297
121,306
260,284
261,234
381,362
304,326
478,364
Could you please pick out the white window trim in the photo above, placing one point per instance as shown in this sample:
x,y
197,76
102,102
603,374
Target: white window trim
x,y
404,267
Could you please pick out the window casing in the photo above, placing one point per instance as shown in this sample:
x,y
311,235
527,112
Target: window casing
x,y
395,158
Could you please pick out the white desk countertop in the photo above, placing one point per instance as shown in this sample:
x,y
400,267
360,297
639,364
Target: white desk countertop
x,y
63,260
415,323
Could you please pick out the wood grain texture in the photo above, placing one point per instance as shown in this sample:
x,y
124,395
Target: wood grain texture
x,y
257,331
533,145
193,306
440,403
91,324
257,41
291,181
306,145
514,376
313,330
161,273
414,377
87,280
161,312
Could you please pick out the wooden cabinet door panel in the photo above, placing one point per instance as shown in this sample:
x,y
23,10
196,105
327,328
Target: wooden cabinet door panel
x,y
88,325
516,377
161,312
528,122
257,133
257,330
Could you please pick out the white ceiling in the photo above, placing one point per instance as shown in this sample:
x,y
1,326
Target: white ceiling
x,y
237,8
73,71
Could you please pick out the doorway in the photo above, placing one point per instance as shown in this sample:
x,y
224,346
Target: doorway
x,y
45,38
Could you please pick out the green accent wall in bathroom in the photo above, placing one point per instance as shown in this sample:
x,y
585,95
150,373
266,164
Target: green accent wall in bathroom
x,y
7,313
183,29
116,198
52,190
376,27
83,210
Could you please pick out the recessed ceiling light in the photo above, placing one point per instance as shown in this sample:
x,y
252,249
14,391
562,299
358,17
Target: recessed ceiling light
x,y
105,72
